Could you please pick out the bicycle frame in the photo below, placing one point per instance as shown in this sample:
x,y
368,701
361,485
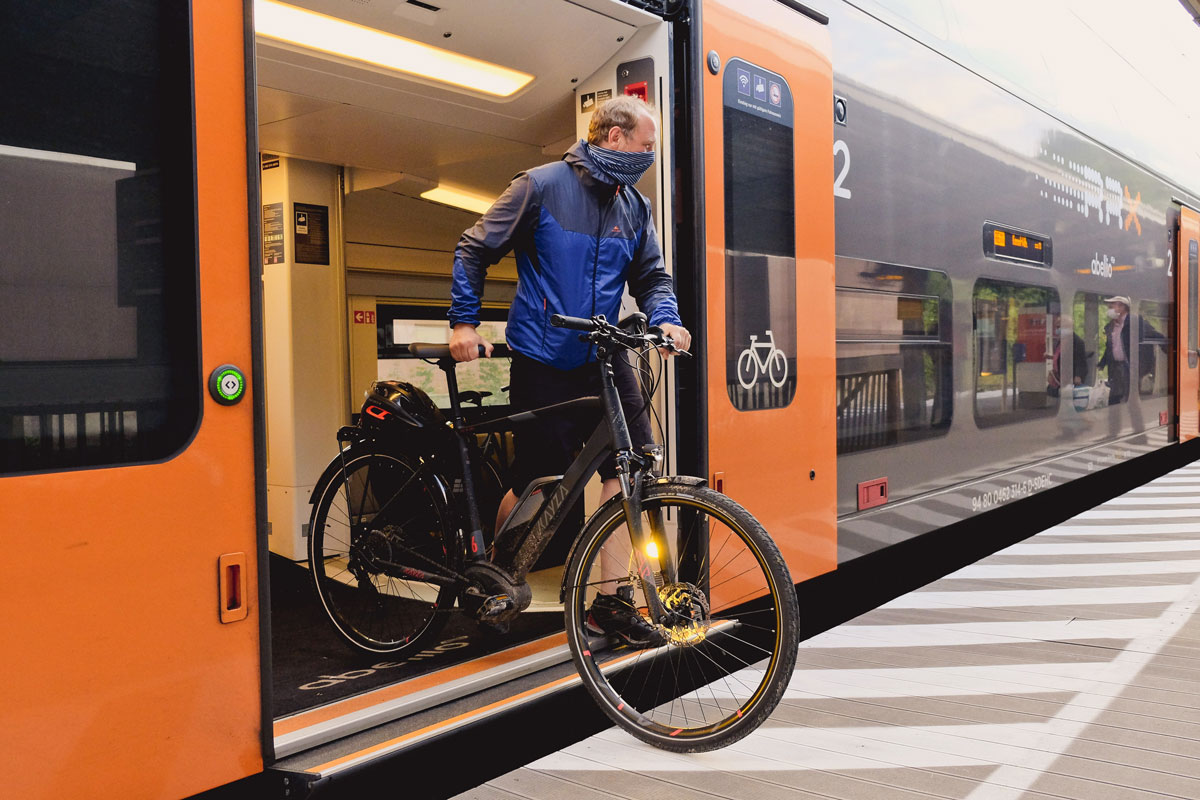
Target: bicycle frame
x,y
611,435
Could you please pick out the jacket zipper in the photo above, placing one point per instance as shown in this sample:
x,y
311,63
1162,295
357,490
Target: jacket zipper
x,y
599,233
596,261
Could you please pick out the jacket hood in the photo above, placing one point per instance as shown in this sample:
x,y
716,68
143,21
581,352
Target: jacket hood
x,y
577,156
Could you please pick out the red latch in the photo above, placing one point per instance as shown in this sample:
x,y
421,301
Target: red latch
x,y
231,580
872,493
639,89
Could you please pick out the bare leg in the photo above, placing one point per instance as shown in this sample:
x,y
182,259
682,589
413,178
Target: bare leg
x,y
506,506
614,555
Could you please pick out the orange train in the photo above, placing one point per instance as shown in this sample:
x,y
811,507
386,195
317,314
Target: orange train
x,y
222,218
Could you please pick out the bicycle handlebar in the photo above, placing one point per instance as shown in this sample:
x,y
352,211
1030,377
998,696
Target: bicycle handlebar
x,y
599,328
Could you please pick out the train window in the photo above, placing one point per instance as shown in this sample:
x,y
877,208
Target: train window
x,y
1154,348
399,325
99,351
894,370
760,238
1016,351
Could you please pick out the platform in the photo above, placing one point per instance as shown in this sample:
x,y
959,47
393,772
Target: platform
x,y
1066,666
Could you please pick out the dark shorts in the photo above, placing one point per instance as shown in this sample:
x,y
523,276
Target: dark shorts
x,y
547,447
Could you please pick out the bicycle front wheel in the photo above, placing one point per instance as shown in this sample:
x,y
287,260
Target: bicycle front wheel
x,y
380,511
732,635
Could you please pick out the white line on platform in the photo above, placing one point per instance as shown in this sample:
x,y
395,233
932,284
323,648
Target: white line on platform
x,y
1016,776
1039,597
1116,528
1034,547
1100,569
1103,512
979,633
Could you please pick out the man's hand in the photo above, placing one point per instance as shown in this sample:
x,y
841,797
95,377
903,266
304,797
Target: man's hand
x,y
679,334
465,341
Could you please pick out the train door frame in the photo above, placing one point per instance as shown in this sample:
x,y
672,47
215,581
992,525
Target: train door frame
x,y
783,50
1187,395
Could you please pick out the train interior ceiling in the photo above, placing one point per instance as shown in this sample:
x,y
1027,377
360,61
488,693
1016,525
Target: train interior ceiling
x,y
352,147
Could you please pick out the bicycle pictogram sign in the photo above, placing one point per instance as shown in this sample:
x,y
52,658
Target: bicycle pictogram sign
x,y
772,362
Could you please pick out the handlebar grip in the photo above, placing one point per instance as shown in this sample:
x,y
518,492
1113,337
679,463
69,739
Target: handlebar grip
x,y
574,323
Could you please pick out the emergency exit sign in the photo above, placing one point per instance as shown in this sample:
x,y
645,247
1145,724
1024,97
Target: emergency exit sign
x,y
364,317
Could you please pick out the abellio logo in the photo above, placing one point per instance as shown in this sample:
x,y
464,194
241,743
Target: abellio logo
x,y
329,681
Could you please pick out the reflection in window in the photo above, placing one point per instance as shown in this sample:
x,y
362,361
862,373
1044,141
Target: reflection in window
x,y
1153,348
893,369
1016,342
99,355
398,326
760,238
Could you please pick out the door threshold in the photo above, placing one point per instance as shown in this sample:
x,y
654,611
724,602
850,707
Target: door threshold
x,y
318,726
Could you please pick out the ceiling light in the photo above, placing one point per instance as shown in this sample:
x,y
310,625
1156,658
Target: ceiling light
x,y
459,198
338,37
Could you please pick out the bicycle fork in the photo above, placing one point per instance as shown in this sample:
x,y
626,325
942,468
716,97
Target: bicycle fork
x,y
651,548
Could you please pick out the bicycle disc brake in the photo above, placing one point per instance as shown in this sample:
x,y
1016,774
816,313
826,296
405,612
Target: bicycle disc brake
x,y
687,621
495,597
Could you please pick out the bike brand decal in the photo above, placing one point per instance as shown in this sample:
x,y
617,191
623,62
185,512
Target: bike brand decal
x,y
377,412
329,681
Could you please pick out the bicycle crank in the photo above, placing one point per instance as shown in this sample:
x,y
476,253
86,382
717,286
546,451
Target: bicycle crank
x,y
494,596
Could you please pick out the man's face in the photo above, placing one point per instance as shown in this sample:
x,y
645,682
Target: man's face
x,y
1120,308
643,138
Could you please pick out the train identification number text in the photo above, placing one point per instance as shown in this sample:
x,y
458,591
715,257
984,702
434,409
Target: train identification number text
x,y
1014,491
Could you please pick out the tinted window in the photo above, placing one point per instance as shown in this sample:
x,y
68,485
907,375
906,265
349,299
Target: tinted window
x,y
760,238
98,316
1016,343
894,369
1154,348
399,325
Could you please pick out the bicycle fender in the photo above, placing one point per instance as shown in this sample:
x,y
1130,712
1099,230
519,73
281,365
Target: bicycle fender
x,y
332,469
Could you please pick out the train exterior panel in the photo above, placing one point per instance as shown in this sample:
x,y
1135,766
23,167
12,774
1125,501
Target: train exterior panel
x,y
932,163
132,620
910,347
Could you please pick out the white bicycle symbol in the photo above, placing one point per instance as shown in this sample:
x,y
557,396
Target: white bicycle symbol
x,y
773,363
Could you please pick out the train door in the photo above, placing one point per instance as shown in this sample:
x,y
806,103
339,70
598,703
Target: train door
x,y
1188,328
127,476
768,161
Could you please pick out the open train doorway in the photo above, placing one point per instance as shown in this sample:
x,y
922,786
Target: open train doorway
x,y
372,167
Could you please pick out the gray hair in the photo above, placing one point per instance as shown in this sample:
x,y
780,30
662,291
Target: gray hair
x,y
622,111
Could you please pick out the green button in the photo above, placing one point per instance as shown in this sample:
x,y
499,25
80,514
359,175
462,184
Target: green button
x,y
227,384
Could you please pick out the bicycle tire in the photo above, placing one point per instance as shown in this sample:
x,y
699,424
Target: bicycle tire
x,y
370,609
700,691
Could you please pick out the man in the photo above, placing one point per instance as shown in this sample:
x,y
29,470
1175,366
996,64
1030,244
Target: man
x,y
1116,348
581,232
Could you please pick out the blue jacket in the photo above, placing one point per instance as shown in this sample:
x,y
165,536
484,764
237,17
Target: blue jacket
x,y
578,240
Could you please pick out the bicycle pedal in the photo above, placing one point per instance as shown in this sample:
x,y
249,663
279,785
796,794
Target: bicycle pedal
x,y
494,606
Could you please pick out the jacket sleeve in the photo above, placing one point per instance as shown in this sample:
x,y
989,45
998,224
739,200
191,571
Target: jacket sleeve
x,y
649,282
491,238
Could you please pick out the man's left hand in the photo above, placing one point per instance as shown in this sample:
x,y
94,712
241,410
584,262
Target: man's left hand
x,y
679,334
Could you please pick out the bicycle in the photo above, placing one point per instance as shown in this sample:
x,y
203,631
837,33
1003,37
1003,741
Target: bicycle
x,y
396,541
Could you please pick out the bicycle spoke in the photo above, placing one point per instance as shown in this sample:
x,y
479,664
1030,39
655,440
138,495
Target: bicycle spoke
x,y
700,687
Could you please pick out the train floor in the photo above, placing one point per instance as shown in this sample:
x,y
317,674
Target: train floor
x,y
1064,666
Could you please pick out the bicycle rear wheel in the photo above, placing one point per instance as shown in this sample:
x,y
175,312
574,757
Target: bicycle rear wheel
x,y
733,637
380,511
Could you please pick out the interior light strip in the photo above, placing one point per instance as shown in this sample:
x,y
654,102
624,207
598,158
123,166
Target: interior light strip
x,y
459,199
338,37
